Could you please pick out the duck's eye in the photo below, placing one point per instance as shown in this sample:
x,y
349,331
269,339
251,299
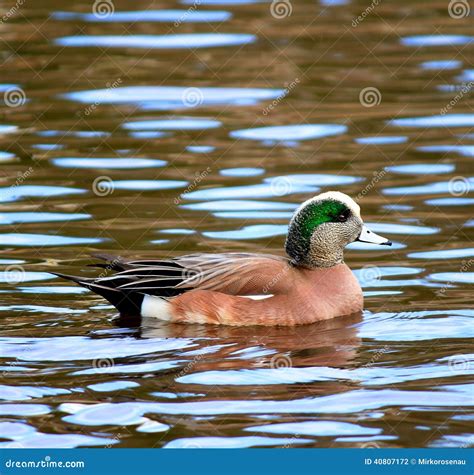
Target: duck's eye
x,y
342,217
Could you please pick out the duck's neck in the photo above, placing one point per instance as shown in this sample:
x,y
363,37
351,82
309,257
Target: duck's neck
x,y
314,255
324,261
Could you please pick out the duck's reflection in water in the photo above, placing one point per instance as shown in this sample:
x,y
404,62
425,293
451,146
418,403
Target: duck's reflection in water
x,y
332,343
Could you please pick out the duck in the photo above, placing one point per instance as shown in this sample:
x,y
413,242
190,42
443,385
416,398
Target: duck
x,y
310,284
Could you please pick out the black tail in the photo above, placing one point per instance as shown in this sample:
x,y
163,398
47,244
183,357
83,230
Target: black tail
x,y
112,262
127,303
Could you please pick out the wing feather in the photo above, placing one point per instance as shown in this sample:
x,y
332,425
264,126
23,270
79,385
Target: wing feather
x,y
231,273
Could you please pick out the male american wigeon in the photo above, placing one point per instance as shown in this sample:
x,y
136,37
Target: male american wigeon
x,y
310,285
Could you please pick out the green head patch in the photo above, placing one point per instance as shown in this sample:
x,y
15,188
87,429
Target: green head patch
x,y
308,219
319,212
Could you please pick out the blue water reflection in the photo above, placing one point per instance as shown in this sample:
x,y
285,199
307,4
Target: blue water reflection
x,y
195,40
135,16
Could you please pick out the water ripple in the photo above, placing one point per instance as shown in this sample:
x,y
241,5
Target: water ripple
x,y
170,97
191,40
162,16
111,163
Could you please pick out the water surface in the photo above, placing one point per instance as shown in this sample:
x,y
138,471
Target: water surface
x,y
157,130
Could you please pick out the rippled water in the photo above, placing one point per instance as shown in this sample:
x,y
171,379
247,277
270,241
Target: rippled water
x,y
176,128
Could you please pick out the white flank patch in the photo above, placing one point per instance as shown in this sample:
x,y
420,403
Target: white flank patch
x,y
257,297
156,307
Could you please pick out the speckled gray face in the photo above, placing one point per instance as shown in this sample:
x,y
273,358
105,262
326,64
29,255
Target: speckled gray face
x,y
322,227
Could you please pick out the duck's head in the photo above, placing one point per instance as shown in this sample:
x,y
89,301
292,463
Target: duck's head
x,y
323,226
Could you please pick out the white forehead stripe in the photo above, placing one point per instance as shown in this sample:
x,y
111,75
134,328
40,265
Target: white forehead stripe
x,y
336,196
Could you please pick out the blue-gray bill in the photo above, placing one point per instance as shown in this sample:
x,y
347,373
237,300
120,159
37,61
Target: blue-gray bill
x,y
369,236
